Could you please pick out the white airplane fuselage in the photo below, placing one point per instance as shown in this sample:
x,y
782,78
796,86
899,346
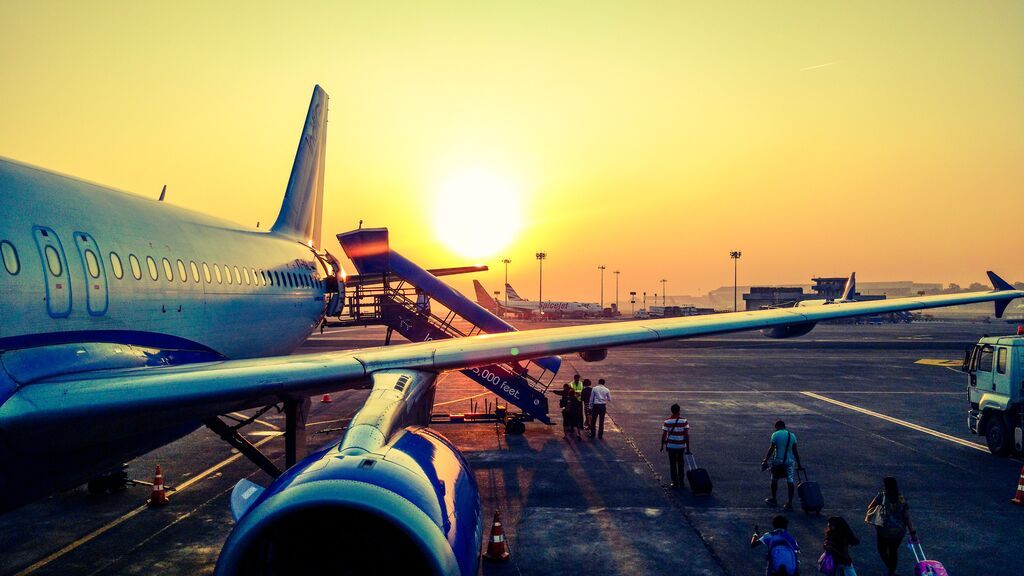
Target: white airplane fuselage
x,y
86,257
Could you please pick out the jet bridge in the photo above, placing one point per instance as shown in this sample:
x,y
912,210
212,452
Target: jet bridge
x,y
391,290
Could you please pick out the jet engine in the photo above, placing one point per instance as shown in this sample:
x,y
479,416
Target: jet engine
x,y
789,330
412,507
594,355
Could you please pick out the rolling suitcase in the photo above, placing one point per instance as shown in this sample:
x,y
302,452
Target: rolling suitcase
x,y
924,566
809,493
699,479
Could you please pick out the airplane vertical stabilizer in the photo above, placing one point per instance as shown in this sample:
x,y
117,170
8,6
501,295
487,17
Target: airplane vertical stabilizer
x,y
302,207
850,290
511,294
483,298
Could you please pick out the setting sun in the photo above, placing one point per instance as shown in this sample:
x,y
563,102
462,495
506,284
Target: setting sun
x,y
477,213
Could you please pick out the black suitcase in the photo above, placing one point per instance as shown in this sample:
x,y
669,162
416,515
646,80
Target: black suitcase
x,y
699,479
809,492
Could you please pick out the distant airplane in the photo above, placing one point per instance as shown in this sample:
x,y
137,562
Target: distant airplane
x,y
515,304
128,323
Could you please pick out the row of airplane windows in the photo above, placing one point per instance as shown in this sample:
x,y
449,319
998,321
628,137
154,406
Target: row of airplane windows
x,y
221,274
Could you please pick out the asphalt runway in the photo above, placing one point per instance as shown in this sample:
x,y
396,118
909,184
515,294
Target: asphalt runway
x,y
860,401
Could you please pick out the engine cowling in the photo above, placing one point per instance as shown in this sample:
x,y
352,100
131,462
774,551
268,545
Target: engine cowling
x,y
789,330
412,507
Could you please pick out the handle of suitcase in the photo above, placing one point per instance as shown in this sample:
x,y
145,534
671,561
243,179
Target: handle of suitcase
x,y
798,471
917,550
691,462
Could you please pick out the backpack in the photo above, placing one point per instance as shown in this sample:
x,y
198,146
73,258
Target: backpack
x,y
782,560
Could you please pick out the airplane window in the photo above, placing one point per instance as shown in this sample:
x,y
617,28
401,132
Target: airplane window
x,y
195,270
136,267
115,265
206,272
151,264
53,261
227,273
91,264
238,277
10,256
181,271
216,270
245,274
168,271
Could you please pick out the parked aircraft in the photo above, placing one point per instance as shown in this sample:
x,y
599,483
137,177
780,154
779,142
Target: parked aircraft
x,y
514,304
129,323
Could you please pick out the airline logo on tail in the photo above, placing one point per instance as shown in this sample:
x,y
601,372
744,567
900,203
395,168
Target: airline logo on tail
x,y
510,293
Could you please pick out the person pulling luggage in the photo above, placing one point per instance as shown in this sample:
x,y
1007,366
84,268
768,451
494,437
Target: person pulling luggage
x,y
675,439
783,558
889,513
785,459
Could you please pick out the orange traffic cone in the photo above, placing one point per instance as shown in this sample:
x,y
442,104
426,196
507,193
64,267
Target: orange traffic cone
x,y
497,549
158,497
326,399
1019,498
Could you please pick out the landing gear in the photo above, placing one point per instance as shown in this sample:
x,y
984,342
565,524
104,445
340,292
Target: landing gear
x,y
296,411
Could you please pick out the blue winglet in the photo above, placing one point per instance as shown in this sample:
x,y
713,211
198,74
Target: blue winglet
x,y
997,282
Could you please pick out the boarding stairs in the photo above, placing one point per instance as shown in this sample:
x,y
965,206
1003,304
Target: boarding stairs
x,y
392,300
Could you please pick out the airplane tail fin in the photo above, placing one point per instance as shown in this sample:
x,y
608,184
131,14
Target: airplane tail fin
x,y
851,288
302,208
510,293
483,298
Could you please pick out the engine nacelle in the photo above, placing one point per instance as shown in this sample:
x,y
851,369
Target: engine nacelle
x,y
594,355
412,507
789,330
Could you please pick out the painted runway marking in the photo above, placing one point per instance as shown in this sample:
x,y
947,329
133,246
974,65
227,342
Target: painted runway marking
x,y
940,362
770,391
116,522
903,423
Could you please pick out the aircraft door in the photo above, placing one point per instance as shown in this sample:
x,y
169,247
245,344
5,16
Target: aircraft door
x,y
95,274
55,271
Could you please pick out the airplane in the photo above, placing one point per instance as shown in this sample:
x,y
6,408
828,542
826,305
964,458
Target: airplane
x,y
517,305
129,323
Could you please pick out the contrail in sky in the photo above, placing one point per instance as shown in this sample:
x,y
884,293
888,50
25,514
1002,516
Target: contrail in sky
x,y
819,66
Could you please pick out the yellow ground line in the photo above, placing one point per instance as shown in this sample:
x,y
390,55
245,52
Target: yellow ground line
x,y
114,523
462,399
903,423
258,421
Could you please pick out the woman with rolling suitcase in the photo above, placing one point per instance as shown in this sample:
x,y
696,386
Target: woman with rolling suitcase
x,y
889,513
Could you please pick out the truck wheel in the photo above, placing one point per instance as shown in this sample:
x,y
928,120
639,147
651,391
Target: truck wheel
x,y
997,435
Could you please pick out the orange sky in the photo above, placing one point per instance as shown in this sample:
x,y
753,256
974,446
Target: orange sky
x,y
818,138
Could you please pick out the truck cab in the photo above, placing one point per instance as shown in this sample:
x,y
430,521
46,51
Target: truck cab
x,y
995,390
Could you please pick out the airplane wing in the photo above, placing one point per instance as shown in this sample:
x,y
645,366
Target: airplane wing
x,y
197,391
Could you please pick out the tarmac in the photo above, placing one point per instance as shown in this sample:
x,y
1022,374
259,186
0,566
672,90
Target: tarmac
x,y
864,402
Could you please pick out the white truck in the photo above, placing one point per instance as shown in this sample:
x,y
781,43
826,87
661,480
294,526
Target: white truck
x,y
995,389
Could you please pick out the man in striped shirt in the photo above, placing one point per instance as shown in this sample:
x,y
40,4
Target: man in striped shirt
x,y
675,438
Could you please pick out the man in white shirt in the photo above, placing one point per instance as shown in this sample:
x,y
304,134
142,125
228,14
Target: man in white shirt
x,y
599,398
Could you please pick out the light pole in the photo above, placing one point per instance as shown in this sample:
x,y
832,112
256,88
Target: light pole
x,y
632,304
506,262
645,300
663,281
616,293
735,255
601,268
541,256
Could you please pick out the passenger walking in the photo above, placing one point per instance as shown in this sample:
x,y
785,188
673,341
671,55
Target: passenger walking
x,y
599,398
585,402
889,513
836,559
783,558
675,438
785,459
570,406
